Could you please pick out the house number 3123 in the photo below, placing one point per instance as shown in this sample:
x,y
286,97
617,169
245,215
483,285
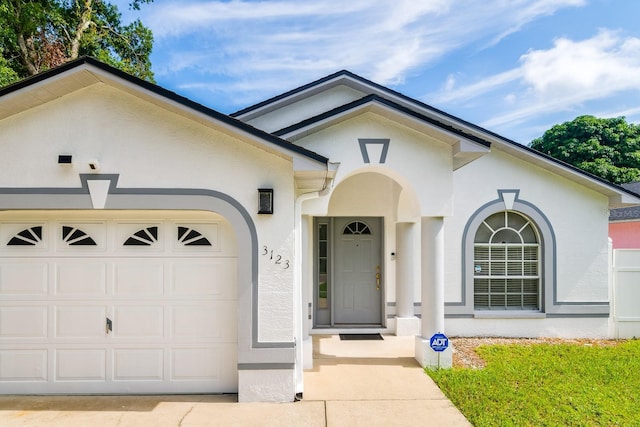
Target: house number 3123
x,y
277,259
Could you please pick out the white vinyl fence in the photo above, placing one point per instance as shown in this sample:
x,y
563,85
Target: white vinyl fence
x,y
626,293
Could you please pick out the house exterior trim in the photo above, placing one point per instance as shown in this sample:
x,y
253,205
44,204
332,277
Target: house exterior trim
x,y
251,349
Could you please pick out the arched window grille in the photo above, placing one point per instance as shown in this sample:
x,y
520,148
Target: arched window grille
x,y
506,265
356,227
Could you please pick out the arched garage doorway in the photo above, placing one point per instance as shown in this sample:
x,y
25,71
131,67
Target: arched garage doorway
x,y
100,192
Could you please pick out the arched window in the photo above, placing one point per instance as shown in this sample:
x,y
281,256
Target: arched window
x,y
356,227
506,263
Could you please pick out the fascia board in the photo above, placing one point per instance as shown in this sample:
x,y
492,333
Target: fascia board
x,y
20,98
296,95
376,106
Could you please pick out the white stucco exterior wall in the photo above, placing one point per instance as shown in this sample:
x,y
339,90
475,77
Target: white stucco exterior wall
x,y
150,147
578,217
414,180
304,108
420,165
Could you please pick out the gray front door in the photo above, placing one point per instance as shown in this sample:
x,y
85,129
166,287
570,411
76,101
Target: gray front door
x,y
357,273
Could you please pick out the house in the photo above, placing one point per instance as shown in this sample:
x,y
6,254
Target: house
x,y
624,223
149,244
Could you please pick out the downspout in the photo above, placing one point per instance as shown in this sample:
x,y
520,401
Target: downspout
x,y
298,294
300,297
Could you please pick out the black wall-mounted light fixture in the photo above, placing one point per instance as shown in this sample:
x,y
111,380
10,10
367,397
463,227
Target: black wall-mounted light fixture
x,y
64,159
265,201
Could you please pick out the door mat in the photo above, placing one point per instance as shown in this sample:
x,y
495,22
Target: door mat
x,y
361,337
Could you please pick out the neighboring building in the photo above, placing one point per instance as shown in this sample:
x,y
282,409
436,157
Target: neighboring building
x,y
624,223
149,244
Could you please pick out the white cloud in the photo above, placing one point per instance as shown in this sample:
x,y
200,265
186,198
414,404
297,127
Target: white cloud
x,y
232,53
476,89
510,98
334,34
585,69
558,79
176,18
381,40
523,11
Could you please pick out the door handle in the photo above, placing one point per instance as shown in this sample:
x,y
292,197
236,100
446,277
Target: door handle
x,y
377,281
108,326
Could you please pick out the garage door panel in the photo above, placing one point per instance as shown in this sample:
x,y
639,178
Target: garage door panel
x,y
210,321
23,322
138,364
165,282
23,365
22,278
139,278
138,321
81,364
80,321
81,278
196,363
214,277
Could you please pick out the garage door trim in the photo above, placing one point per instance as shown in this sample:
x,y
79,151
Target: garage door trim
x,y
251,351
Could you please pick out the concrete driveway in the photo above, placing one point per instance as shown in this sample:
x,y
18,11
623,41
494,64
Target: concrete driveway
x,y
353,383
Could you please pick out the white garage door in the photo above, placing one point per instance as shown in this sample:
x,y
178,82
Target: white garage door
x,y
117,302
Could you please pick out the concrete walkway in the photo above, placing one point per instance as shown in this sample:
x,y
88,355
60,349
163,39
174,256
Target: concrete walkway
x,y
353,383
376,383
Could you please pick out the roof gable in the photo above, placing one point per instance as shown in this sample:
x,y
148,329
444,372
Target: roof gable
x,y
465,147
373,92
87,71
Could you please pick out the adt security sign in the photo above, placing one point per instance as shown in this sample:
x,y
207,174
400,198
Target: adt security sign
x,y
439,342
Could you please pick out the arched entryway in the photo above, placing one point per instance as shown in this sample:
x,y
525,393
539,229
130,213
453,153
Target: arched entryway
x,y
355,258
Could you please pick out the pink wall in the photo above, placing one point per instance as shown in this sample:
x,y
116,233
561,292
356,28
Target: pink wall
x,y
625,235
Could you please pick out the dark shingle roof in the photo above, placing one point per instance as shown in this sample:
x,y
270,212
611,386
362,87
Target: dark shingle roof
x,y
413,106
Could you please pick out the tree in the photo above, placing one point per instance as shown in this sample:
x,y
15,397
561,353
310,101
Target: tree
x,y
7,74
608,148
36,35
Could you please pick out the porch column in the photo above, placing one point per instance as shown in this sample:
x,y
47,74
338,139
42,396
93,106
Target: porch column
x,y
407,324
432,249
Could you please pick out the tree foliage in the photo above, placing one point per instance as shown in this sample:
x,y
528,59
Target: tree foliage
x,y
608,148
36,35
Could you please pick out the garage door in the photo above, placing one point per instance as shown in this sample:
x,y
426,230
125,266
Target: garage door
x,y
118,302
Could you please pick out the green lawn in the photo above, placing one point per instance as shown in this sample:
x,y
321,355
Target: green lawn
x,y
548,385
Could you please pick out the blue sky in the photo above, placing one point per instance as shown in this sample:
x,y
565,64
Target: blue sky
x,y
515,67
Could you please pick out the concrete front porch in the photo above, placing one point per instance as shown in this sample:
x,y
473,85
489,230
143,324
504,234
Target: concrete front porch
x,y
375,383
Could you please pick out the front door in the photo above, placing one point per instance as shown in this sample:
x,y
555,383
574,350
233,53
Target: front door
x,y
357,273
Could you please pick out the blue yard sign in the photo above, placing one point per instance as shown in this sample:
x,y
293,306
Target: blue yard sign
x,y
439,342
